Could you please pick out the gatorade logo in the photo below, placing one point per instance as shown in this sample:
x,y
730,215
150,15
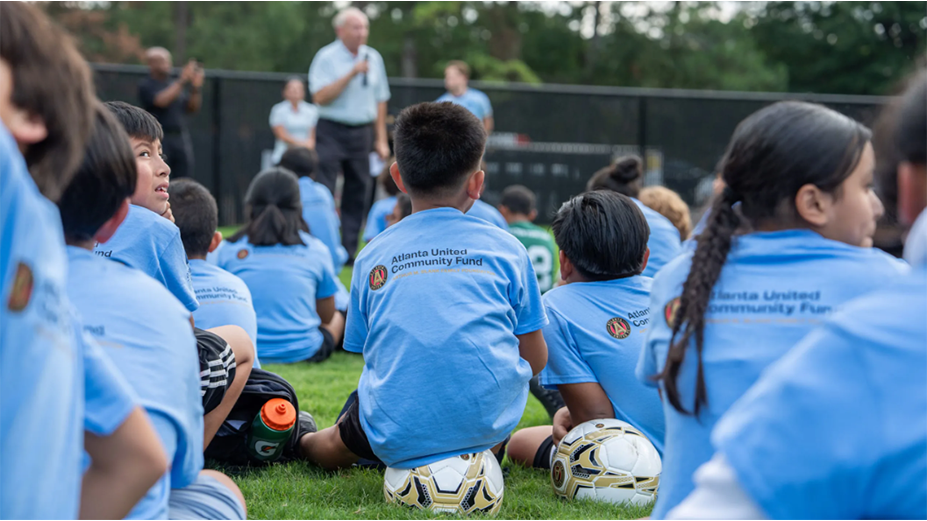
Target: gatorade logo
x,y
377,277
265,448
21,293
669,312
618,328
558,474
242,254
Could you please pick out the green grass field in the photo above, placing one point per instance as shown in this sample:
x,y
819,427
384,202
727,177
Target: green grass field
x,y
302,491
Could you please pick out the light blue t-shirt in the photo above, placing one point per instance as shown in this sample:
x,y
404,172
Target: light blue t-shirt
x,y
376,218
473,100
146,333
357,104
436,304
837,429
488,213
595,335
150,243
225,300
322,218
664,240
298,123
41,373
285,282
774,288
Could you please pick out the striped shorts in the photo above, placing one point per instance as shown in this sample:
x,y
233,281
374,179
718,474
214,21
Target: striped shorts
x,y
217,368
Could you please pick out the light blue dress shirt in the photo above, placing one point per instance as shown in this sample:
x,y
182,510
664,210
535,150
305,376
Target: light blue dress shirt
x,y
357,104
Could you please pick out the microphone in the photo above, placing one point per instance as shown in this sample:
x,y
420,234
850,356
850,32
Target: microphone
x,y
364,79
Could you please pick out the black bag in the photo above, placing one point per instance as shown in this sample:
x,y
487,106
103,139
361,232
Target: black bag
x,y
230,443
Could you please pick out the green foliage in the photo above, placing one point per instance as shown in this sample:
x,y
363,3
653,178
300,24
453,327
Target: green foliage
x,y
840,47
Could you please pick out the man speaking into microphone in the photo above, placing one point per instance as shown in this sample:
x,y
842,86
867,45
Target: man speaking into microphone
x,y
348,82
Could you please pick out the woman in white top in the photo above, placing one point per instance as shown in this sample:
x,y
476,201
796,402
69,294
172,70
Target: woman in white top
x,y
293,120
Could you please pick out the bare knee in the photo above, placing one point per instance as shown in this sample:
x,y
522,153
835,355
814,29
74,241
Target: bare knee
x,y
227,483
525,444
335,326
240,343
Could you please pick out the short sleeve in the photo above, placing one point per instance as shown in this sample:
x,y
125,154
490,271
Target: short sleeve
x,y
487,107
355,329
383,93
565,364
277,116
327,286
108,398
816,446
321,72
175,272
526,297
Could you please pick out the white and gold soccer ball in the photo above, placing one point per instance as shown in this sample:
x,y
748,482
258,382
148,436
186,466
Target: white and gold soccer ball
x,y
606,460
458,485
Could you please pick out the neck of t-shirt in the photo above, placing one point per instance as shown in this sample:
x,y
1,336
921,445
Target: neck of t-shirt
x,y
86,245
196,257
461,93
518,219
424,204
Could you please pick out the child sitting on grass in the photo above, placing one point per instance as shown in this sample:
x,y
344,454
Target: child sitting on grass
x,y
224,298
288,271
597,324
148,240
380,210
445,309
668,204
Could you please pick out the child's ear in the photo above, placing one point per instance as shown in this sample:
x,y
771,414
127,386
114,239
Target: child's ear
x,y
475,184
813,205
394,173
533,215
912,191
216,240
566,267
646,258
25,127
109,228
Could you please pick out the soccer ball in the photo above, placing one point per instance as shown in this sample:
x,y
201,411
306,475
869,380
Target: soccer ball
x,y
606,460
457,485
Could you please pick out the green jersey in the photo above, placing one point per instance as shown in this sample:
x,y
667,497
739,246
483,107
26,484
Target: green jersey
x,y
541,251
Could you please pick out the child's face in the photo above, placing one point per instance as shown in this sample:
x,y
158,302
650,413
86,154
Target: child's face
x,y
852,217
394,217
153,175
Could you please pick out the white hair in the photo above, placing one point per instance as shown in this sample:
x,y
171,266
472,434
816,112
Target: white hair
x,y
157,51
343,15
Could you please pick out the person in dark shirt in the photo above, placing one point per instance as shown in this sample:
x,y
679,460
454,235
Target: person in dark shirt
x,y
168,100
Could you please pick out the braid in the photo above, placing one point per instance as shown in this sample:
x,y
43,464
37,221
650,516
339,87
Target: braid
x,y
714,243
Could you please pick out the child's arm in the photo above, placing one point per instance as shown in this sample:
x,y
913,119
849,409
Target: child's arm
x,y
325,307
585,401
124,465
533,348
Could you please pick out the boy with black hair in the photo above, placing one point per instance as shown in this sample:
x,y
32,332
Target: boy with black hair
x,y
61,397
145,330
472,340
597,324
224,298
519,210
149,241
146,241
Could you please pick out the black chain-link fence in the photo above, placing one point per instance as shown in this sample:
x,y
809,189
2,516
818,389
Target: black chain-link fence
x,y
551,138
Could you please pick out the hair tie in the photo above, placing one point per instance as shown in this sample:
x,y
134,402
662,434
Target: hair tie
x,y
730,195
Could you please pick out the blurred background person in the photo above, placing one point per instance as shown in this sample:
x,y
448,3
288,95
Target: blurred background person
x,y
456,81
293,120
168,101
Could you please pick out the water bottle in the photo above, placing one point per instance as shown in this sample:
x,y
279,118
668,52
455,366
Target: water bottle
x,y
271,429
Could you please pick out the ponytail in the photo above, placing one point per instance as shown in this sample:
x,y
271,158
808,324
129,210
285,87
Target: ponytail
x,y
714,243
274,210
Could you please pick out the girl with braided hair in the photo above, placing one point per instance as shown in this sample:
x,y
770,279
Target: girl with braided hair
x,y
763,273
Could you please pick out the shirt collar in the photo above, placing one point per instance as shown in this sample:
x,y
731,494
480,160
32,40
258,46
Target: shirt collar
x,y
360,50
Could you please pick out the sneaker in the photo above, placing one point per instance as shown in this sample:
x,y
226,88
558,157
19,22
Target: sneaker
x,y
306,424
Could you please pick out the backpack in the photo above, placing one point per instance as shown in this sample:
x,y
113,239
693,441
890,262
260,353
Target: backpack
x,y
230,443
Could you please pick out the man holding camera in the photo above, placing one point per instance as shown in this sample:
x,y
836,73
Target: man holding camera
x,y
167,100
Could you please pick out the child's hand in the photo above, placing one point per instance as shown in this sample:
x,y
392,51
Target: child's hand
x,y
563,423
167,214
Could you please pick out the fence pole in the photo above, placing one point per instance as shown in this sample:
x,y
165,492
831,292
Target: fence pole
x,y
216,153
642,128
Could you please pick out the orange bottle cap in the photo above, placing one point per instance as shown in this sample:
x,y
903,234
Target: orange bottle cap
x,y
278,414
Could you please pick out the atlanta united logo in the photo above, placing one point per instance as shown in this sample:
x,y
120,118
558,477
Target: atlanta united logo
x,y
377,277
669,312
618,328
558,474
22,288
242,254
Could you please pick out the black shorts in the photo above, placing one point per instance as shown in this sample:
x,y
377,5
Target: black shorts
x,y
544,454
352,433
217,367
326,349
